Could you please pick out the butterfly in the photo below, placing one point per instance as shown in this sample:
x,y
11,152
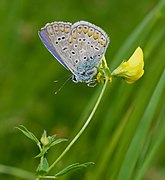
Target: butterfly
x,y
79,47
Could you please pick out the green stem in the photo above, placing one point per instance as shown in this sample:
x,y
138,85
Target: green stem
x,y
82,129
48,177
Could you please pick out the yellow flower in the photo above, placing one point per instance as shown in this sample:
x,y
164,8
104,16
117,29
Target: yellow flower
x,y
132,69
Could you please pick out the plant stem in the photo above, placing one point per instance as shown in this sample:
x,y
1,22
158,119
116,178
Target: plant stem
x,y
83,128
48,177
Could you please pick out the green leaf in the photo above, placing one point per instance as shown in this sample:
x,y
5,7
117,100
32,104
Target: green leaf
x,y
28,134
73,167
42,168
144,125
43,151
58,141
48,146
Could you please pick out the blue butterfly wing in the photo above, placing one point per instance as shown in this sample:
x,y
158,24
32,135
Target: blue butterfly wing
x,y
46,41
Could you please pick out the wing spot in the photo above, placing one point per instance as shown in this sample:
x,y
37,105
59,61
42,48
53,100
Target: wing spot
x,y
75,45
79,29
65,48
97,49
79,39
81,51
76,61
73,52
85,29
61,27
67,28
59,39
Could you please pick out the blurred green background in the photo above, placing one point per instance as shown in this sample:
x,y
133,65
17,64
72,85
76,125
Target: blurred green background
x,y
27,72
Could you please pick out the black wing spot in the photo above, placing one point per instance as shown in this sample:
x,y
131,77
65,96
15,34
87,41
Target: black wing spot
x,y
73,52
76,61
65,48
79,39
97,49
63,37
75,45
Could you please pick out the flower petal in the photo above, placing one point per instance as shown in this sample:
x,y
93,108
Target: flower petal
x,y
132,69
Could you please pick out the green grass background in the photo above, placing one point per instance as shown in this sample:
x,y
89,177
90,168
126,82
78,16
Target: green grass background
x,y
126,137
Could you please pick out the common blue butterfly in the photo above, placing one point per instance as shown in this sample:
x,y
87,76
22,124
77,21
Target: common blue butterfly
x,y
79,47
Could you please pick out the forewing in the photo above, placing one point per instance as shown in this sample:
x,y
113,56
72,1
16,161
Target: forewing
x,y
49,36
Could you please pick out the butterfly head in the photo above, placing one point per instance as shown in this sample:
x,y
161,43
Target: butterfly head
x,y
85,76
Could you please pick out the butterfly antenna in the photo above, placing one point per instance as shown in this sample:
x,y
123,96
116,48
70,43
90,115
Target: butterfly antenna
x,y
58,90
